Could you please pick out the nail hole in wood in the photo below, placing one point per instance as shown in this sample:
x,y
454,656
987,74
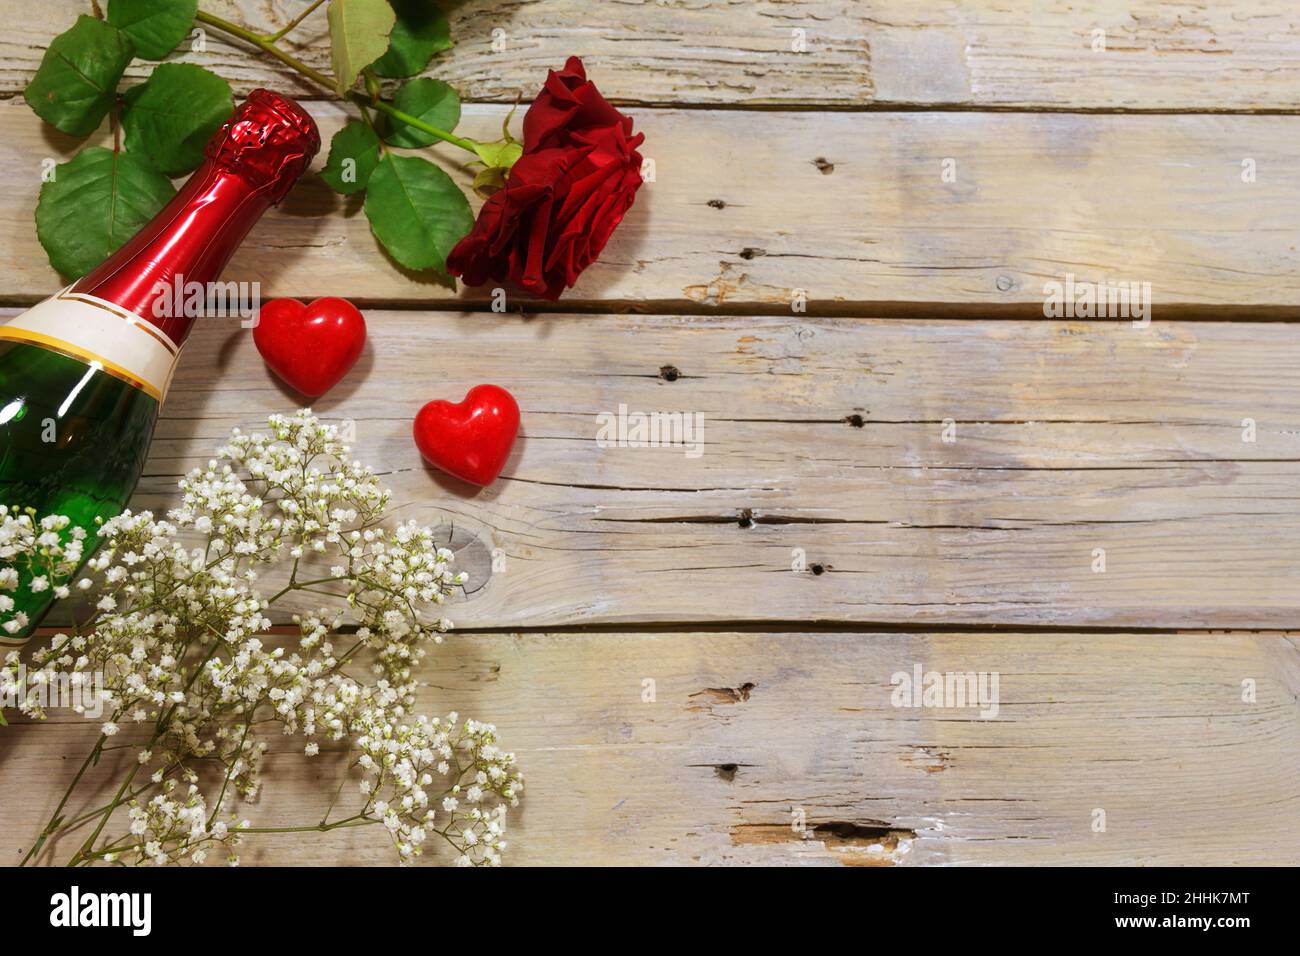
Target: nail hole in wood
x,y
669,373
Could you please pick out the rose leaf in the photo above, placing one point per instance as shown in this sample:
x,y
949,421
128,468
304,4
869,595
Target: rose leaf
x,y
421,31
417,212
432,101
74,86
359,32
354,154
156,27
171,116
95,202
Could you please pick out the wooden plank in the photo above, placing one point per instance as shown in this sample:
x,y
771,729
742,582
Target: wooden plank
x,y
747,729
863,221
1023,54
823,450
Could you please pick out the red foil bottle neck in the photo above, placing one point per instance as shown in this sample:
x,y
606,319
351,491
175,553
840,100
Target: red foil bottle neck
x,y
252,163
190,241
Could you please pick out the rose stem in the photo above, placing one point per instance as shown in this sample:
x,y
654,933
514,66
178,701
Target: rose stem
x,y
317,76
288,28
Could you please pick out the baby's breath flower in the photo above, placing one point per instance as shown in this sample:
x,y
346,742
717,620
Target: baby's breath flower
x,y
180,638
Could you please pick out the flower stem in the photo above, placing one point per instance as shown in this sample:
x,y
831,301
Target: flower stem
x,y
55,823
294,22
89,845
267,45
357,820
160,728
230,771
388,109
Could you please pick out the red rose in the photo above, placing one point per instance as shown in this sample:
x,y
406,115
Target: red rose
x,y
565,195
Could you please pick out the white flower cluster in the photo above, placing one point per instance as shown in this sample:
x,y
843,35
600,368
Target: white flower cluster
x,y
36,555
180,632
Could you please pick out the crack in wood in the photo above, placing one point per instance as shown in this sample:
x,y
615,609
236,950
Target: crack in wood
x,y
850,842
720,696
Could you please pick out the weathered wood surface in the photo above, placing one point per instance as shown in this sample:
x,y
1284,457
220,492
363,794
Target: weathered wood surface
x,y
823,441
864,221
1187,54
747,729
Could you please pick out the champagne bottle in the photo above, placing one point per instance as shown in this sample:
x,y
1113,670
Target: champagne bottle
x,y
83,373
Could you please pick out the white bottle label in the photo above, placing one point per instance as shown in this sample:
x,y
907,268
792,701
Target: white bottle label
x,y
102,335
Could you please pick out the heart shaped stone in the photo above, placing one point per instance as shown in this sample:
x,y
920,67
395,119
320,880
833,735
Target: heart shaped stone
x,y
470,440
310,347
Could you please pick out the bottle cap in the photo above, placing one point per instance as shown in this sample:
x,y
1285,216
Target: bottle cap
x,y
269,141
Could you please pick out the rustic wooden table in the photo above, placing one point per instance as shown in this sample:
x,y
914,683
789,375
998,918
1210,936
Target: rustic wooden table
x,y
917,467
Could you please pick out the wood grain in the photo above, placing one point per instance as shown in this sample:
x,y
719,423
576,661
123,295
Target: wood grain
x,y
828,536
747,729
862,222
1026,54
823,450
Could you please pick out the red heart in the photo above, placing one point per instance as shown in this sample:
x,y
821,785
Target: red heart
x,y
312,346
471,440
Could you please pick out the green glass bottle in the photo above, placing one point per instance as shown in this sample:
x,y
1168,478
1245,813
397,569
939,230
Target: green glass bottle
x,y
83,374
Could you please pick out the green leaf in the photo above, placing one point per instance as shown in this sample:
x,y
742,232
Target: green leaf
x,y
359,32
156,27
432,101
502,155
354,154
416,211
96,201
421,31
74,86
497,159
171,116
489,179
